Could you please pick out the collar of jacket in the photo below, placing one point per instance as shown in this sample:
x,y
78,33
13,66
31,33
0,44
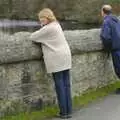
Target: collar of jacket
x,y
107,16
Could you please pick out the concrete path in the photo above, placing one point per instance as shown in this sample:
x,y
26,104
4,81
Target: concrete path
x,y
105,109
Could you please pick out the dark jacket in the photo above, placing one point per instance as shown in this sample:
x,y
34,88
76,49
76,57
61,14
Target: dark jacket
x,y
110,33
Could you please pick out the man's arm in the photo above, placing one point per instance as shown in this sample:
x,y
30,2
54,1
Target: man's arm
x,y
106,35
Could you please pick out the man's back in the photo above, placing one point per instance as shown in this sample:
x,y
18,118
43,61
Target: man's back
x,y
110,33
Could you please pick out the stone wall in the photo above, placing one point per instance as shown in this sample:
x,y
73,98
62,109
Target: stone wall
x,y
84,11
24,83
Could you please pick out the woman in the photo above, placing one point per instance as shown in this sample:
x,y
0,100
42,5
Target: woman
x,y
57,58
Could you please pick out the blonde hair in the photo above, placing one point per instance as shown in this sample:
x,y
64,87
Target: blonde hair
x,y
47,13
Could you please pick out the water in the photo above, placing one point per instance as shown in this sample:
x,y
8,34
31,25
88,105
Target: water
x,y
13,26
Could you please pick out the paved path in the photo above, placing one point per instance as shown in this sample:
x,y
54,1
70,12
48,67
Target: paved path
x,y
105,109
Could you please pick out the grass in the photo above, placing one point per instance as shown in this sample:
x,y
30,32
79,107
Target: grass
x,y
94,94
48,112
78,101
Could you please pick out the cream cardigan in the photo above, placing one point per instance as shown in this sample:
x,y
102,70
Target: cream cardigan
x,y
56,51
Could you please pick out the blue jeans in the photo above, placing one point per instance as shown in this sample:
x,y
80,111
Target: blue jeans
x,y
63,91
116,62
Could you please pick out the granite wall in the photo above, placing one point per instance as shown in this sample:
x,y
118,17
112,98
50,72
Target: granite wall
x,y
24,83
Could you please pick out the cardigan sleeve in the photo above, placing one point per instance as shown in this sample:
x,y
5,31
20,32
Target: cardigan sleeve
x,y
37,36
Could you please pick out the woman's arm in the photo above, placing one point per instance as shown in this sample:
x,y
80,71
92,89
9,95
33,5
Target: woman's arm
x,y
38,35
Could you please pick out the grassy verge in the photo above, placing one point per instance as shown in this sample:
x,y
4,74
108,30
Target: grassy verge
x,y
94,94
89,96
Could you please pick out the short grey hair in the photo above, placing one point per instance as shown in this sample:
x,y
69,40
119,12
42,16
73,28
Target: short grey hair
x,y
107,9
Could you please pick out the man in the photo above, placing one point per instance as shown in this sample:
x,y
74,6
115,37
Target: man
x,y
110,36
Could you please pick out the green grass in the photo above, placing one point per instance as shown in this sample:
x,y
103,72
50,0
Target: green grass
x,y
94,94
37,115
78,101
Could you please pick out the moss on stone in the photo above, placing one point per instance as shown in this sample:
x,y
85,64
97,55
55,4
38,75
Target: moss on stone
x,y
93,94
78,101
